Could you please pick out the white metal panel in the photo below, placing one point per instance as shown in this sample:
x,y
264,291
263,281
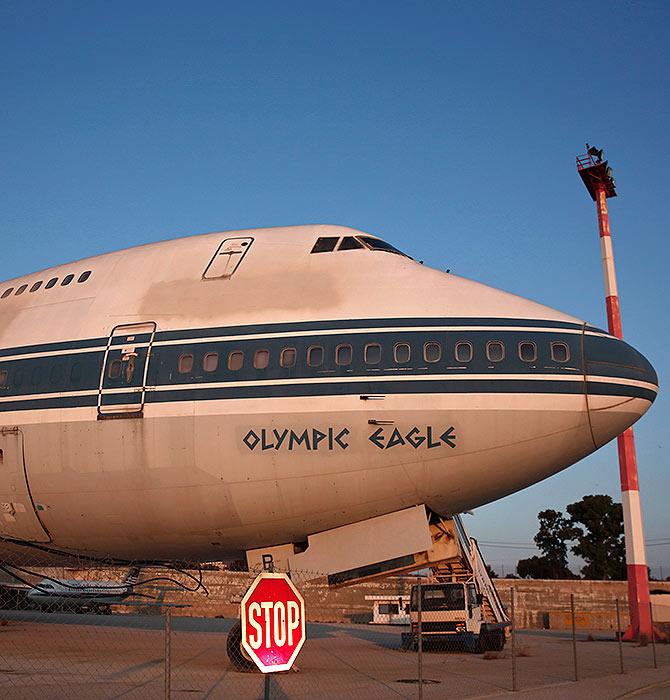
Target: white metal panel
x,y
358,544
18,519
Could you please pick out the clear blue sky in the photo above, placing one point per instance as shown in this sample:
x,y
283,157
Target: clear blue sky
x,y
449,128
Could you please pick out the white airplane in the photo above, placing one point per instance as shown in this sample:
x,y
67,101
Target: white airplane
x,y
305,395
82,596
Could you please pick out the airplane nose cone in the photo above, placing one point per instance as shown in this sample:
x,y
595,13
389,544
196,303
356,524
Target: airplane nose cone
x,y
621,385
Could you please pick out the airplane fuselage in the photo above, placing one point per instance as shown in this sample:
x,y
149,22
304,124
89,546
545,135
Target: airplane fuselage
x,y
197,398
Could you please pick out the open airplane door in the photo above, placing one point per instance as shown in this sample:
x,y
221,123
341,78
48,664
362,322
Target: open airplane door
x,y
124,370
18,517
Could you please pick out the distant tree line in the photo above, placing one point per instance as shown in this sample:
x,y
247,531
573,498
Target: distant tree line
x,y
592,529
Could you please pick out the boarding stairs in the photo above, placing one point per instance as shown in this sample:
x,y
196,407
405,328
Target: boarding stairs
x,y
470,566
453,556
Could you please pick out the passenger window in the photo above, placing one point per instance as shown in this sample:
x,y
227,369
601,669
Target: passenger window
x,y
432,352
21,289
84,276
36,376
287,357
560,352
66,280
36,286
373,354
210,361
51,283
185,363
495,351
114,371
55,375
463,352
315,356
18,378
350,243
402,353
261,359
3,378
325,245
527,351
75,373
343,355
235,360
7,292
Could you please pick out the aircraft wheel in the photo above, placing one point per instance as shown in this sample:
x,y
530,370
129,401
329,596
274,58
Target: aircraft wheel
x,y
238,657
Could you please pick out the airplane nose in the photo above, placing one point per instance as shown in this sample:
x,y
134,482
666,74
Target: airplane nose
x,y
621,385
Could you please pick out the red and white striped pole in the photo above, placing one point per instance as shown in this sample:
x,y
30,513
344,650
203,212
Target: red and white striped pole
x,y
636,560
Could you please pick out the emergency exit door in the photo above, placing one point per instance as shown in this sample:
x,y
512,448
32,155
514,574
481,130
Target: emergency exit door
x,y
227,258
18,516
124,370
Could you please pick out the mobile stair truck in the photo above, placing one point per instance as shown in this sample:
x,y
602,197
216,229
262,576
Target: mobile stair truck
x,y
460,607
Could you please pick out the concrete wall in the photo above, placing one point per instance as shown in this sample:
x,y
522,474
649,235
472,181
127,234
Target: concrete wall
x,y
538,603
546,603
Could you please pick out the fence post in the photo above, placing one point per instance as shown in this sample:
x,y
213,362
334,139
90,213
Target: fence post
x,y
513,640
653,635
168,652
574,634
420,643
618,635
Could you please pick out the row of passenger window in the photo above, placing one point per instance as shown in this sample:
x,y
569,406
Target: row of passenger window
x,y
51,283
39,376
464,353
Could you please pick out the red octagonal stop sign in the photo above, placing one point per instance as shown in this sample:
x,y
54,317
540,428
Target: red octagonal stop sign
x,y
273,622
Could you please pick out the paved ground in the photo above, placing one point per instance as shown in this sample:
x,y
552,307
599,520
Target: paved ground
x,y
123,656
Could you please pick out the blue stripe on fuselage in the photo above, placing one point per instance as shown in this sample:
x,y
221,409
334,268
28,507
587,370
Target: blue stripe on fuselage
x,y
297,327
80,372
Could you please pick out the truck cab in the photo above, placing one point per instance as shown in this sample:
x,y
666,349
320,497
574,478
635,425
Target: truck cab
x,y
451,614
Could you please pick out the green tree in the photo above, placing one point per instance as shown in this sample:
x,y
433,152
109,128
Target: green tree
x,y
598,521
552,539
535,567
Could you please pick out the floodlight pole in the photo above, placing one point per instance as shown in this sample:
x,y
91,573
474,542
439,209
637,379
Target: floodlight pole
x,y
598,180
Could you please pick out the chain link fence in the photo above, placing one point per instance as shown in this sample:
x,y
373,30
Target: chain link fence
x,y
91,629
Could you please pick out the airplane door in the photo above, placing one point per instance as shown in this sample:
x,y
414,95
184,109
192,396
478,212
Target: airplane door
x,y
18,517
124,370
227,258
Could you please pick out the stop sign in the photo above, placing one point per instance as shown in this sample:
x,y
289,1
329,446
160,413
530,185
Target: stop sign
x,y
273,622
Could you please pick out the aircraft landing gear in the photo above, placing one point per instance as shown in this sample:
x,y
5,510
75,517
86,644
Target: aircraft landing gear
x,y
238,657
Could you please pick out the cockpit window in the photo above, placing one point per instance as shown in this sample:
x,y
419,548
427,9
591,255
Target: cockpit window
x,y
325,245
350,243
377,244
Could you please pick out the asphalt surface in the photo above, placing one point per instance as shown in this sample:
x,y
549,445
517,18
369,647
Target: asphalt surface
x,y
65,655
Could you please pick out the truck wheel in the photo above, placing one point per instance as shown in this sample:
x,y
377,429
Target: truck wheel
x,y
474,644
238,657
492,641
497,641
